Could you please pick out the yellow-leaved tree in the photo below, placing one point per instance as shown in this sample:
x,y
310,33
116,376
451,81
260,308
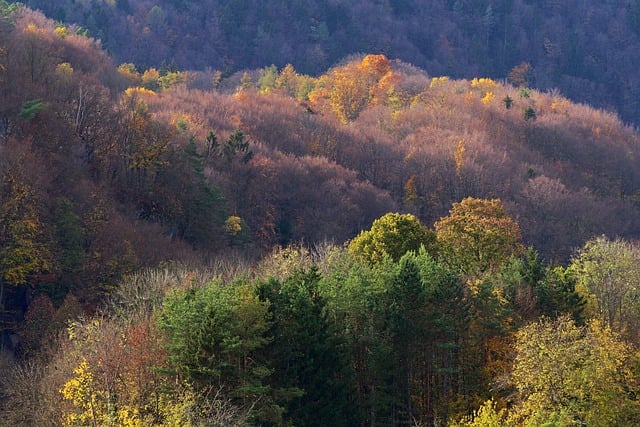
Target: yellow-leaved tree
x,y
478,236
568,375
351,87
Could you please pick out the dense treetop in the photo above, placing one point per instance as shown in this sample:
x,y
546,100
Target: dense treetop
x,y
586,49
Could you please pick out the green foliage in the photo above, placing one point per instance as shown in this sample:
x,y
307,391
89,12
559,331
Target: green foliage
x,y
534,289
355,295
525,92
182,198
237,145
530,114
308,359
216,335
70,239
267,79
406,321
30,109
391,235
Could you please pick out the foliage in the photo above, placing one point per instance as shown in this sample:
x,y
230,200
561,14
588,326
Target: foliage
x,y
573,375
486,416
101,177
23,246
391,235
216,335
306,355
30,109
608,278
478,236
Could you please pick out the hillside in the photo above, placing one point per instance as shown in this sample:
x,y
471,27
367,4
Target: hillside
x,y
586,49
283,157
374,245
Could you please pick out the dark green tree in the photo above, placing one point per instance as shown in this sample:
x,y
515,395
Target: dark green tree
x,y
70,241
406,327
216,336
308,358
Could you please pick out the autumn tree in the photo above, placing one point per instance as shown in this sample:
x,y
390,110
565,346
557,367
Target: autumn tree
x,y
24,248
567,375
609,278
350,88
478,236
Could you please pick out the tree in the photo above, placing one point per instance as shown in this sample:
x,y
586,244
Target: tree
x,y
267,79
486,416
392,235
478,236
70,239
609,278
216,337
439,375
350,86
534,289
356,304
288,81
24,248
406,319
309,362
573,376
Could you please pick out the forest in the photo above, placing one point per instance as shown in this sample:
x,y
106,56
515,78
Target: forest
x,y
585,48
373,245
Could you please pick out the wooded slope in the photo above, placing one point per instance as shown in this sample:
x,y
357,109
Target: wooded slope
x,y
109,168
587,49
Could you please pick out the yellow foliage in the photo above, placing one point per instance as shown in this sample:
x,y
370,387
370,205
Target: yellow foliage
x,y
33,29
349,89
487,98
385,92
349,94
61,31
287,80
233,225
151,79
138,91
80,391
128,71
64,71
484,84
320,93
458,155
478,236
437,81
